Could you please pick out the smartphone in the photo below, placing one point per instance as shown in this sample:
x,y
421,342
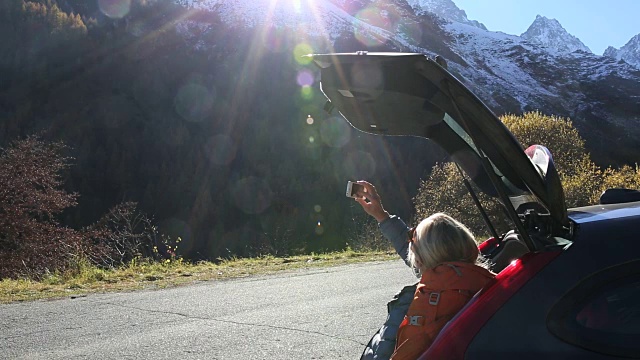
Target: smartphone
x,y
353,189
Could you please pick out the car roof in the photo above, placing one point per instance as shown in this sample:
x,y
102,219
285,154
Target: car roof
x,y
604,212
412,95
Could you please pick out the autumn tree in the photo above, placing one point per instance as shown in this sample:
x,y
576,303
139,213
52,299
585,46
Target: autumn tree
x,y
556,133
32,240
582,180
444,191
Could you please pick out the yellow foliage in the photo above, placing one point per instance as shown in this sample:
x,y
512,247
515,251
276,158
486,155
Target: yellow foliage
x,y
627,177
61,24
583,182
555,133
444,191
584,186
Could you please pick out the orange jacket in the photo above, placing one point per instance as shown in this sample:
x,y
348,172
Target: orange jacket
x,y
441,293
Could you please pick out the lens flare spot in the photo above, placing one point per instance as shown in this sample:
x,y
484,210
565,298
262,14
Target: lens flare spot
x,y
317,208
312,139
359,164
305,78
368,76
300,51
375,17
335,132
306,92
273,40
115,9
193,102
220,149
309,120
252,195
305,109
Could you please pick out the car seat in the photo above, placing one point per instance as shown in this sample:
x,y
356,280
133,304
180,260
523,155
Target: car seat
x,y
511,247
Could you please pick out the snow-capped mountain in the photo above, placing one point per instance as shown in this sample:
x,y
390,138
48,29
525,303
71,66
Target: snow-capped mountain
x,y
549,33
630,52
544,69
446,9
314,18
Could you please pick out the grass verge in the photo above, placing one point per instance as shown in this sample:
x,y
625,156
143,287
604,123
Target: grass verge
x,y
86,279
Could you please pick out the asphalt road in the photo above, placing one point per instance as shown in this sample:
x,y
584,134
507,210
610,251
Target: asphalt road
x,y
308,314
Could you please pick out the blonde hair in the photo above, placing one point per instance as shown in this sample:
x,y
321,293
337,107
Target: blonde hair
x,y
440,238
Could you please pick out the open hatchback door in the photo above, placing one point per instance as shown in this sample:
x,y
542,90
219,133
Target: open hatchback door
x,y
406,94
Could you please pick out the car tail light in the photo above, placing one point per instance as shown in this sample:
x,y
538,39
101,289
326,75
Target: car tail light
x,y
488,245
454,339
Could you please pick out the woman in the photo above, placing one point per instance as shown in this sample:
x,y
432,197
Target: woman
x,y
444,252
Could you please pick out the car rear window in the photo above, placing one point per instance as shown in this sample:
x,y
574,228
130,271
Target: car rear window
x,y
614,310
602,313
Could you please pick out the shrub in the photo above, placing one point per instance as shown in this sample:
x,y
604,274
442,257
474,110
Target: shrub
x,y
365,235
557,134
32,241
627,177
582,180
125,233
444,191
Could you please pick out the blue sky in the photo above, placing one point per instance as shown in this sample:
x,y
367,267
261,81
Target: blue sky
x,y
597,23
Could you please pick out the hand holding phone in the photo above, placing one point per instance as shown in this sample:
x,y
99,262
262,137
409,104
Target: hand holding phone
x,y
368,199
353,188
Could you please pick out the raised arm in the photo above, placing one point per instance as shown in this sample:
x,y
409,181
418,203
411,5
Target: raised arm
x,y
392,227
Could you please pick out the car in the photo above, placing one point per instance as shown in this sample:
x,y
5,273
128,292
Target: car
x,y
568,280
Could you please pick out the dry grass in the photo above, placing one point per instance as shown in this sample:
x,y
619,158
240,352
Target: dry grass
x,y
85,279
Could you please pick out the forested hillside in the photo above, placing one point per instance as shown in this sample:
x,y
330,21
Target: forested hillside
x,y
224,145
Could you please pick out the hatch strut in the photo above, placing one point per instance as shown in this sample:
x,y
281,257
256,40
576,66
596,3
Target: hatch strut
x,y
466,183
499,186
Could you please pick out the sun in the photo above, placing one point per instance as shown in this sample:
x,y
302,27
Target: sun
x,y
296,5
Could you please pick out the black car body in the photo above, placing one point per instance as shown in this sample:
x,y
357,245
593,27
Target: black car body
x,y
568,283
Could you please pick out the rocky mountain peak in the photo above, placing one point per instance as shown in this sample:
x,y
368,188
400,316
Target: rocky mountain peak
x,y
610,52
545,68
550,34
446,9
630,52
